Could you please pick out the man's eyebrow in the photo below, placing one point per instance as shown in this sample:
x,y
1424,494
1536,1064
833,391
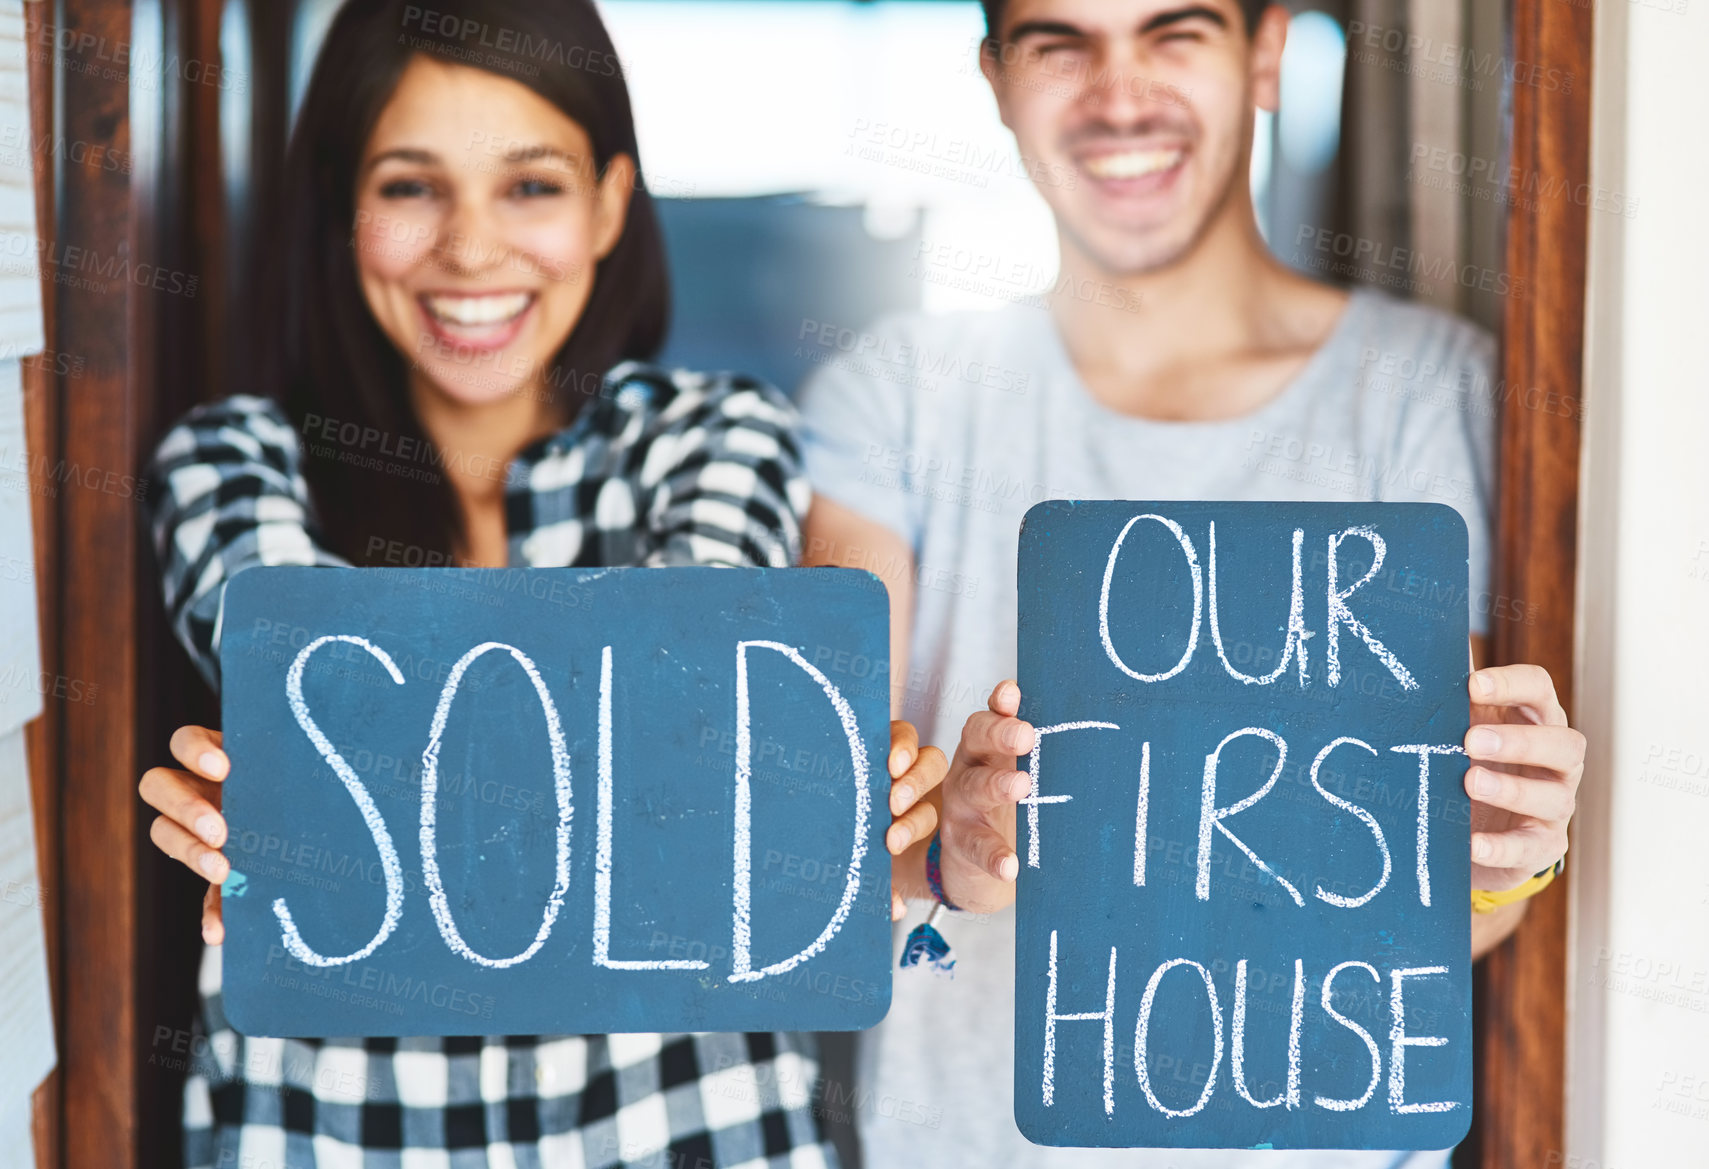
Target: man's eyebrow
x,y
1062,28
1179,15
1044,28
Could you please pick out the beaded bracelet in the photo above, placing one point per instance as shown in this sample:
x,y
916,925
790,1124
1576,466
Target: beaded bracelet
x,y
925,943
934,871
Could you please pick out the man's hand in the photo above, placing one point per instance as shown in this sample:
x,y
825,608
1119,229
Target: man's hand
x,y
978,860
1526,767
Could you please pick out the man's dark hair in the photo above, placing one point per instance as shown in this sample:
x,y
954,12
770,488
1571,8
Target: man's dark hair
x,y
1250,9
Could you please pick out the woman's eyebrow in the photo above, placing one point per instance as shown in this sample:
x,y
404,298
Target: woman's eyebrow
x,y
531,153
404,154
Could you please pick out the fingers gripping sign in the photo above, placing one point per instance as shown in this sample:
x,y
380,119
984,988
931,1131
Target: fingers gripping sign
x,y
190,828
1526,767
978,860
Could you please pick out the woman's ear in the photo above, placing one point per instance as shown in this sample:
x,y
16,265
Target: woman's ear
x,y
611,209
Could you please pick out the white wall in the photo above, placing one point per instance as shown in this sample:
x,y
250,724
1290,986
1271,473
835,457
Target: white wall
x,y
1638,1065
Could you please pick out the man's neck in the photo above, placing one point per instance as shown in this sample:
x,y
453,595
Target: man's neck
x,y
1214,335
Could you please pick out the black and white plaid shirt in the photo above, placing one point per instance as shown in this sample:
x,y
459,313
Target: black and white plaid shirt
x,y
662,468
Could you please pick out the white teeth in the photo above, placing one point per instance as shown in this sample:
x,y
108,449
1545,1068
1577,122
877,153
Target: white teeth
x,y
1132,164
478,310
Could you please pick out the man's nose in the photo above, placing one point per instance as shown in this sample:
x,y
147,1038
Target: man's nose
x,y
1119,88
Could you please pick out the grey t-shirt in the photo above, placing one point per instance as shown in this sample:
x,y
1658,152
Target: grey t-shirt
x,y
946,429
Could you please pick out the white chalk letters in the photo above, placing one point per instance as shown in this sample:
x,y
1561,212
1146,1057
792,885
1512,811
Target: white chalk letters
x,y
1337,611
440,900
364,802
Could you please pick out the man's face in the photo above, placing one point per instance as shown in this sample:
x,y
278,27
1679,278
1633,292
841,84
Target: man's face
x,y
1135,116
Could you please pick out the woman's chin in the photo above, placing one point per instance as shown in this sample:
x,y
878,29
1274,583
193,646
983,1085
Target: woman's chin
x,y
471,387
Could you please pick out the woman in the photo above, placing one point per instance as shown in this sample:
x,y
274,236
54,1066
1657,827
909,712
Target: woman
x,y
465,274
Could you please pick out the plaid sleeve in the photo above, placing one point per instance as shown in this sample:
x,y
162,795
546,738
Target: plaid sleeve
x,y
721,478
226,494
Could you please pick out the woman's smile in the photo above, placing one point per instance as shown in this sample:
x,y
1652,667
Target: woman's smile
x,y
477,321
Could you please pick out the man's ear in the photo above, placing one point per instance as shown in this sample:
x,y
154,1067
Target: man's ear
x,y
616,185
1269,38
990,64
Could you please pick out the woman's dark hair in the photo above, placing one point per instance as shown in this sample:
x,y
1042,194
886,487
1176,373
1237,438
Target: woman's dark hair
x,y
379,486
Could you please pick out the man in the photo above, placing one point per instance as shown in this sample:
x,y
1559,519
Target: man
x,y
1177,359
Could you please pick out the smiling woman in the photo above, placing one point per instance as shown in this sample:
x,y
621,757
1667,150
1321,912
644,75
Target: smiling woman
x,y
470,223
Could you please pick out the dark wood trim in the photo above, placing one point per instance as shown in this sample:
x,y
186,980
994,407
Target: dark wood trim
x,y
102,318
1521,1092
257,131
41,433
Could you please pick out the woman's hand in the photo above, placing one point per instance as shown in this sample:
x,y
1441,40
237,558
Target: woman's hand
x,y
1526,767
978,859
915,772
190,828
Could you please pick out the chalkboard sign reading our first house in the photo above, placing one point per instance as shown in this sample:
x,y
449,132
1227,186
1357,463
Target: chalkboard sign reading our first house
x,y
1243,908
549,801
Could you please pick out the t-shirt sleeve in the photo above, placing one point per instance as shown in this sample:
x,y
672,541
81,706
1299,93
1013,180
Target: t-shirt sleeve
x,y
1447,445
858,435
226,493
721,478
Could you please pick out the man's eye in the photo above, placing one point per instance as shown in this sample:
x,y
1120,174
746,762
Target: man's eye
x,y
535,188
1181,36
1059,49
405,189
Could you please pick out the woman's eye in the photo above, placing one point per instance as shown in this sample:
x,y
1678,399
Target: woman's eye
x,y
405,189
535,188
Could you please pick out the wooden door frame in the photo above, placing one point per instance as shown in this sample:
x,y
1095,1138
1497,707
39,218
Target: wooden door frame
x,y
1521,987
94,403
94,420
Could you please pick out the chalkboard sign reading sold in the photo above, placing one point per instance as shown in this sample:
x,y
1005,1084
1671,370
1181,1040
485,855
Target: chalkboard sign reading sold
x,y
1243,910
478,802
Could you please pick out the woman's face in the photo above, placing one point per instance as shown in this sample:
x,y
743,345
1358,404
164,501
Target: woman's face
x,y
480,217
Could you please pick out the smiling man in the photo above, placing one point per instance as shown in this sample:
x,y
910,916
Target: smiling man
x,y
1177,359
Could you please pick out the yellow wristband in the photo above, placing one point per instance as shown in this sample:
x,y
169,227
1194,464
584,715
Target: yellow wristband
x,y
1483,901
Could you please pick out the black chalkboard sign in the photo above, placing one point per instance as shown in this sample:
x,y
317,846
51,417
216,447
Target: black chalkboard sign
x,y
515,801
1243,909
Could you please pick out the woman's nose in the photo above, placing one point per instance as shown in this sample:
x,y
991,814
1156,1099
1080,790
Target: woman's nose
x,y
469,241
